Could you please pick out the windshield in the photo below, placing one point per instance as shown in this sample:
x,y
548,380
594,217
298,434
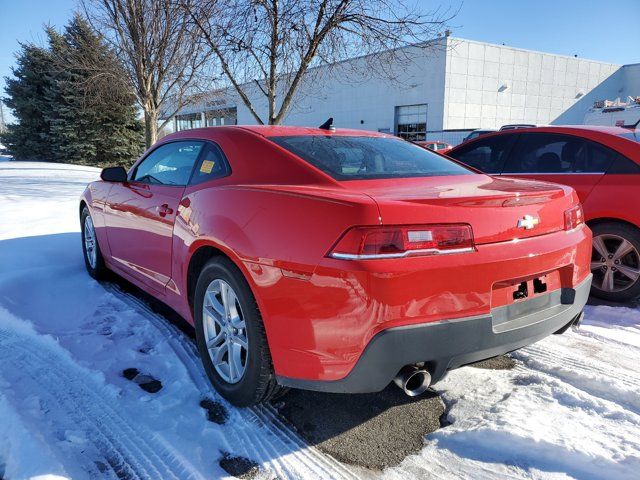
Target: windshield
x,y
357,158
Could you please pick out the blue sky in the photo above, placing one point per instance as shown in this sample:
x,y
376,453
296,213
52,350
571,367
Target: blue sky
x,y
592,29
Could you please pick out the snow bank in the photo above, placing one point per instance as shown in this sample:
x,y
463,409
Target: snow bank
x,y
23,453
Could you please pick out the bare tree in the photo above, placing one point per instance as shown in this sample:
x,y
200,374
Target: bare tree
x,y
270,46
162,57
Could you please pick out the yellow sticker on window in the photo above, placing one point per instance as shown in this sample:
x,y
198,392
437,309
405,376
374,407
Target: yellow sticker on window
x,y
207,166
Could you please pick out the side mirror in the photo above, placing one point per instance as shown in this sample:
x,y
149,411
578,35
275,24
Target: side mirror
x,y
114,174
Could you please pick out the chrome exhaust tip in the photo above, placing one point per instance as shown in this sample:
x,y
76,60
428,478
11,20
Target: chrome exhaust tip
x,y
412,380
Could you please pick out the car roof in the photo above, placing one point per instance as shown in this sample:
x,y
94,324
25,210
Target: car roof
x,y
287,131
585,128
575,129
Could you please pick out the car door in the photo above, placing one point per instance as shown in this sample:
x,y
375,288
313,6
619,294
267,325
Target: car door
x,y
487,154
141,212
560,158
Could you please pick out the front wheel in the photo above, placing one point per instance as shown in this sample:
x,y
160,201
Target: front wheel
x,y
90,248
230,335
615,261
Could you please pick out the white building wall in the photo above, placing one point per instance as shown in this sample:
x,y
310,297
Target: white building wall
x,y
465,84
488,86
357,98
630,81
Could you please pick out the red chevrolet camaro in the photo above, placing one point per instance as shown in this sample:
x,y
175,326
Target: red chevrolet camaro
x,y
337,260
602,164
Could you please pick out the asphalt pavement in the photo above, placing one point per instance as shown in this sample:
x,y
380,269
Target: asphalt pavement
x,y
374,430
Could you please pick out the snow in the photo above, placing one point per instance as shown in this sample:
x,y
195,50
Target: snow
x,y
570,408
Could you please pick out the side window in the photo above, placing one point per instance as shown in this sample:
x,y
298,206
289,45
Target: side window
x,y
624,165
598,160
487,155
557,153
212,164
545,153
169,164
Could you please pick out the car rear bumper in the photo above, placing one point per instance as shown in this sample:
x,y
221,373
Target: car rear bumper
x,y
449,344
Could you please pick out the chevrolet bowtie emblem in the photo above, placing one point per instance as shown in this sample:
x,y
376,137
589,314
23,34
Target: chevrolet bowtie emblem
x,y
528,222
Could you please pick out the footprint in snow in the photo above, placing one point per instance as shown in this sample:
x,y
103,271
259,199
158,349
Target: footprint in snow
x,y
239,467
216,412
145,382
146,349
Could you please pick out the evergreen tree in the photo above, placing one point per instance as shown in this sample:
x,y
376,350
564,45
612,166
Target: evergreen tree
x,y
29,138
71,102
93,115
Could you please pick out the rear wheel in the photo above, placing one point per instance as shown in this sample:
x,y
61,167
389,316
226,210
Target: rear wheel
x,y
90,248
230,335
615,261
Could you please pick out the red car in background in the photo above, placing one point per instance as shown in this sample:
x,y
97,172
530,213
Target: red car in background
x,y
436,146
337,260
602,164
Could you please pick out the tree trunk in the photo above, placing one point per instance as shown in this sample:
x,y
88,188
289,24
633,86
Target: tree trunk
x,y
150,127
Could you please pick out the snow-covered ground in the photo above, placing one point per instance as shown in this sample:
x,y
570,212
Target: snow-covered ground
x,y
570,409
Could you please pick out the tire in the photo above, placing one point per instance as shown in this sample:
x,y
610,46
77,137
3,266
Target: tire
x,y
95,267
608,238
257,383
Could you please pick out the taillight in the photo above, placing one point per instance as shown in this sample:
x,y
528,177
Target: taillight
x,y
573,217
362,243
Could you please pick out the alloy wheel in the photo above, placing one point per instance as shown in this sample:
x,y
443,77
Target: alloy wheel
x,y
90,244
225,331
615,263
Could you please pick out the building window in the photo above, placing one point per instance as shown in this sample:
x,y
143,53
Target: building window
x,y
411,122
189,121
227,116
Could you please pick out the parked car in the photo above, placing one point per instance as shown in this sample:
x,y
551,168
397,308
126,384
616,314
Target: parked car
x,y
337,260
436,146
478,133
515,126
603,165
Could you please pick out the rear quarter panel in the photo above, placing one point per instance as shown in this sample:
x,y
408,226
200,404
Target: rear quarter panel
x,y
616,197
276,235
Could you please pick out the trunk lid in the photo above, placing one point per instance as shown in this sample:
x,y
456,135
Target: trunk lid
x,y
498,209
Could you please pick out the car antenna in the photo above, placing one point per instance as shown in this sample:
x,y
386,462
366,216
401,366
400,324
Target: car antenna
x,y
328,125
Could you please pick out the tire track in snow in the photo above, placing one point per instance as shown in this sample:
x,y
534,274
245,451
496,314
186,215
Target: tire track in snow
x,y
583,364
277,448
73,400
574,366
608,341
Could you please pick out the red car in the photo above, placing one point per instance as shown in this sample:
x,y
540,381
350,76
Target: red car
x,y
602,164
337,260
436,146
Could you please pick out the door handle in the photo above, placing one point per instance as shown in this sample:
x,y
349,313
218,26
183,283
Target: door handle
x,y
164,210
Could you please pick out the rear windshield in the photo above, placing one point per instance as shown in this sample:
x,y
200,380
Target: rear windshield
x,y
357,158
